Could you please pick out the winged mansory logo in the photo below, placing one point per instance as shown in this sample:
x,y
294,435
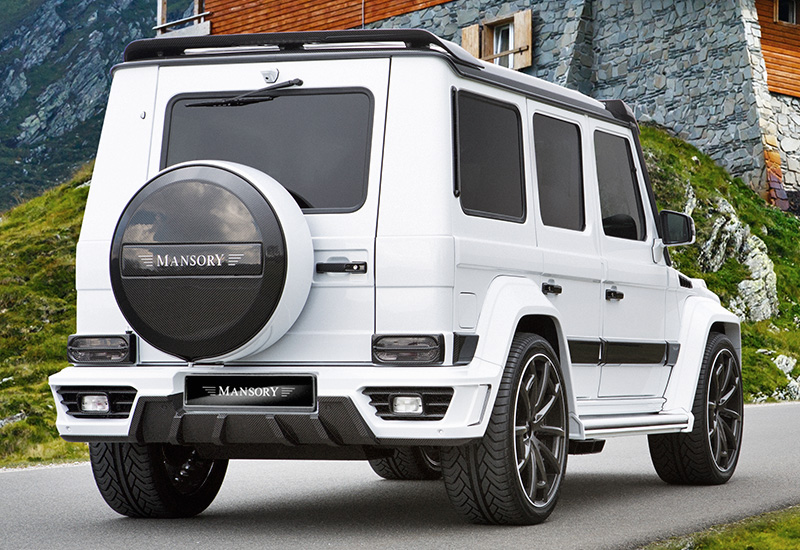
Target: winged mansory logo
x,y
146,259
281,392
234,259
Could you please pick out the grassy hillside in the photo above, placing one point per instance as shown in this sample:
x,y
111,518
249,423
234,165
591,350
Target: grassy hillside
x,y
37,296
672,164
37,313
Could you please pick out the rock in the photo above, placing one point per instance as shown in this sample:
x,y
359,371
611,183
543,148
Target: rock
x,y
785,363
12,419
757,298
691,199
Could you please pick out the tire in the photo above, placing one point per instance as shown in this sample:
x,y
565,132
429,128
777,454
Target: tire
x,y
709,453
409,463
155,481
514,474
211,261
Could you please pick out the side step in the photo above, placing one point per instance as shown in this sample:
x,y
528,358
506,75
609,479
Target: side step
x,y
586,446
599,427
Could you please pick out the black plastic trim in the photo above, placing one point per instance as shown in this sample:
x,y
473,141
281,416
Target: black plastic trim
x,y
159,48
435,401
604,352
438,361
464,346
166,420
585,352
120,400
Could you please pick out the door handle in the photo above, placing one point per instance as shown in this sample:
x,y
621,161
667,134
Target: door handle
x,y
612,294
343,267
550,288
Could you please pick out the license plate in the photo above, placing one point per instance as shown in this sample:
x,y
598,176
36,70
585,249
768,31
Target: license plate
x,y
295,392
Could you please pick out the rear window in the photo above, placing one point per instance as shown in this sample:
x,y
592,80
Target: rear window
x,y
314,143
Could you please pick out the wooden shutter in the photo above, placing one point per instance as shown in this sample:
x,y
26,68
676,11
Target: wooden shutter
x,y
523,39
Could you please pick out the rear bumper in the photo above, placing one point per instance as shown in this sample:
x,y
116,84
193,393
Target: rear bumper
x,y
343,417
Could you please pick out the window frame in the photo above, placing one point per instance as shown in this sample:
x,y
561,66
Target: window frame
x,y
214,95
479,39
793,15
635,170
457,184
582,169
498,53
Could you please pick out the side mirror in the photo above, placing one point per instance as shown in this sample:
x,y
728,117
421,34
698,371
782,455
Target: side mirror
x,y
677,228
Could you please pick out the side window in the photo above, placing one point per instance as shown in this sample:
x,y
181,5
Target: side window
x,y
489,160
559,172
620,200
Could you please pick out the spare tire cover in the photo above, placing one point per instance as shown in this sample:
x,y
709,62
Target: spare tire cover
x,y
211,260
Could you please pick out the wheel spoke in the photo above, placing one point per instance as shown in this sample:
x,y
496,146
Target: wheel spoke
x,y
725,398
727,364
544,383
542,413
555,431
729,433
526,397
541,467
550,458
730,413
526,458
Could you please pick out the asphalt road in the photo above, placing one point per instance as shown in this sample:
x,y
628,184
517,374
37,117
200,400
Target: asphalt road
x,y
611,500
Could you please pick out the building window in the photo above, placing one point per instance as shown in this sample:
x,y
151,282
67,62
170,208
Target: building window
x,y
786,11
507,41
490,176
503,41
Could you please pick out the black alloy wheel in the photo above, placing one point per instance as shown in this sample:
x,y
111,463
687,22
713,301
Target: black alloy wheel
x,y
514,474
709,453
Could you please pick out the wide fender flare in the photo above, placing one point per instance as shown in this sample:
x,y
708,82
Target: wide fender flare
x,y
698,317
508,300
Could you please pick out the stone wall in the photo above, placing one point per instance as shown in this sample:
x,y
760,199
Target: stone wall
x,y
684,65
787,118
691,66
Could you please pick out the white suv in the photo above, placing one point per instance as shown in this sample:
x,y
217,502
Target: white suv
x,y
371,245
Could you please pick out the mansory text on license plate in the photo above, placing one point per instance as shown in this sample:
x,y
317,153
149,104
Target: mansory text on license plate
x,y
273,391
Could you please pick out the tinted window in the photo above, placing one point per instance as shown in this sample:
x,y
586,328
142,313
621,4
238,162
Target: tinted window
x,y
559,171
315,145
489,158
620,200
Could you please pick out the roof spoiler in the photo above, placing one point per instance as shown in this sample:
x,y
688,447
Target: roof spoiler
x,y
620,110
414,39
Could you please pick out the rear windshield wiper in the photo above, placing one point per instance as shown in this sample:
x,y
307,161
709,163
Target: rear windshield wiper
x,y
256,96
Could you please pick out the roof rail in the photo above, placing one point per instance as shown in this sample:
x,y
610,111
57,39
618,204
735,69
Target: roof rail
x,y
159,48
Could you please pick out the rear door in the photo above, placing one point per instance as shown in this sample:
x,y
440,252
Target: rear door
x,y
322,140
573,268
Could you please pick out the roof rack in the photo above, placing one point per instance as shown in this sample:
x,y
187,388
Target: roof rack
x,y
159,48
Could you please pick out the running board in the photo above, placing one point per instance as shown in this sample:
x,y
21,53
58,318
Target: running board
x,y
598,427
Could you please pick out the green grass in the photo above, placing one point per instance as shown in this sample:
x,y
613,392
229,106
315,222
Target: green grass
x,y
37,313
672,164
772,531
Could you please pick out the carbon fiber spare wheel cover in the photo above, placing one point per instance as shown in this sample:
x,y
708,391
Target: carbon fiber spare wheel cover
x,y
198,262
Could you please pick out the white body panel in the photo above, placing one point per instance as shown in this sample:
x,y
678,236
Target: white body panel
x,y
431,268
